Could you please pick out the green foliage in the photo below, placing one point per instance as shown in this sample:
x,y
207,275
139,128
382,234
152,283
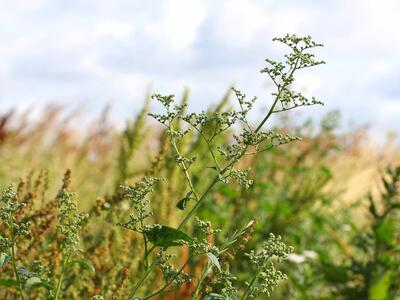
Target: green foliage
x,y
191,141
248,141
10,207
200,207
164,236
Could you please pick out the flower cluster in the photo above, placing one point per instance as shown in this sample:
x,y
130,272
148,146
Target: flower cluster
x,y
267,276
9,207
173,111
171,274
137,195
69,220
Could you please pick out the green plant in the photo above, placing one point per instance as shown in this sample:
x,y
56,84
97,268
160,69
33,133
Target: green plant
x,y
249,141
17,223
164,245
16,228
69,225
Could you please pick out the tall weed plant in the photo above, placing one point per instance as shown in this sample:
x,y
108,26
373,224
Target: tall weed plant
x,y
218,208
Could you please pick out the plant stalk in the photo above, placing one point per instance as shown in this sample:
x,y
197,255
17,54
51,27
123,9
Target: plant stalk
x,y
60,280
13,261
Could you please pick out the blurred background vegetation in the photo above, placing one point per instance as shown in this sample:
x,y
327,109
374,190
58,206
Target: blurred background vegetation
x,y
333,196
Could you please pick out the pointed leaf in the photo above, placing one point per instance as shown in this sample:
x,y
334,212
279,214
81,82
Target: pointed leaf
x,y
213,296
3,259
84,263
386,232
34,282
164,236
8,282
380,287
184,201
249,224
214,260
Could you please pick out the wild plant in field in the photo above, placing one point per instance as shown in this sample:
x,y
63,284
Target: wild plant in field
x,y
12,230
245,140
69,226
42,238
21,226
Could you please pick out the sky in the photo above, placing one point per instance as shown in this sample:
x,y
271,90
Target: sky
x,y
86,53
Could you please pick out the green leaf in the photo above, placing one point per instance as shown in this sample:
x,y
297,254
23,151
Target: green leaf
x,y
164,236
284,209
213,296
8,282
84,263
37,282
228,191
214,260
249,224
3,259
386,232
184,201
380,288
335,274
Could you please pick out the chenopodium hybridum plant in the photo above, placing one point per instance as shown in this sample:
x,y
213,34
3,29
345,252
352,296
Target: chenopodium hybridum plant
x,y
12,229
163,243
216,280
14,226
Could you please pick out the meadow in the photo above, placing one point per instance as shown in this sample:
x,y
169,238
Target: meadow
x,y
200,205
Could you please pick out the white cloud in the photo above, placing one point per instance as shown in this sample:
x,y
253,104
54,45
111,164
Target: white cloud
x,y
102,50
117,30
240,23
178,23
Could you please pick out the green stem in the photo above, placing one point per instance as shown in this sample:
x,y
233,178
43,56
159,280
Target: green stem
x,y
184,221
199,201
13,261
168,283
60,279
207,269
278,95
185,170
253,281
208,142
146,255
141,280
